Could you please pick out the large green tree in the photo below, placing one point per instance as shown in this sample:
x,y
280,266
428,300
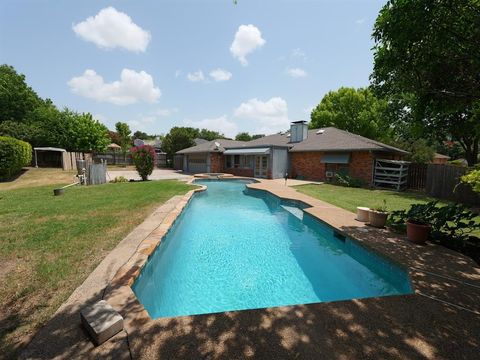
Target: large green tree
x,y
179,138
358,111
209,134
17,99
427,51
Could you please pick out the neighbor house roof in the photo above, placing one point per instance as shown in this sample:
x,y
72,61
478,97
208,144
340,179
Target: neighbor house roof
x,y
210,146
441,156
327,139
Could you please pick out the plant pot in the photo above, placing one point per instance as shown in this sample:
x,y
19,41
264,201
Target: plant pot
x,y
418,233
362,214
377,218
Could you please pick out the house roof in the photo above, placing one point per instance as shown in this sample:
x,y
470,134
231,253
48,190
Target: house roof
x,y
330,139
441,156
210,146
327,139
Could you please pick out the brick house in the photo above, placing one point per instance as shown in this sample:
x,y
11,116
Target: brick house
x,y
309,154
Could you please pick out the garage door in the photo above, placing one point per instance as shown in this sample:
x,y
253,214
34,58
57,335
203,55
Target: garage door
x,y
197,164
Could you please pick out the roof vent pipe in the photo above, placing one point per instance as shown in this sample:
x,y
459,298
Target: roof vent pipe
x,y
298,131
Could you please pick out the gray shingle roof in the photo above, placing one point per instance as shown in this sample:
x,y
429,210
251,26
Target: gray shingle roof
x,y
330,140
210,146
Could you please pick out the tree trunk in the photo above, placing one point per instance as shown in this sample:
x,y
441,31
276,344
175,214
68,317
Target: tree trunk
x,y
471,154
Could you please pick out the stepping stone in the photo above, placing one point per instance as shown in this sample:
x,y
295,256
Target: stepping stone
x,y
101,321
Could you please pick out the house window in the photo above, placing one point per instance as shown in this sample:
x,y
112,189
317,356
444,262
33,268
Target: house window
x,y
236,161
228,160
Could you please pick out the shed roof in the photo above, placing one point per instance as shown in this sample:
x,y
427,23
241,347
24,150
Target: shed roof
x,y
49,149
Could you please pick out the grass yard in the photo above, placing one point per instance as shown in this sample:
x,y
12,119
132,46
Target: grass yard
x,y
349,198
49,245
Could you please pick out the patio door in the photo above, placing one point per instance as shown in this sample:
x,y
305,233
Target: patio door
x,y
261,166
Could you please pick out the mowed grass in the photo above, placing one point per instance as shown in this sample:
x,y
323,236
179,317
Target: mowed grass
x,y
349,198
49,245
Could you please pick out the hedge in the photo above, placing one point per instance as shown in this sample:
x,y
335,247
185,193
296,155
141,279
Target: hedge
x,y
14,155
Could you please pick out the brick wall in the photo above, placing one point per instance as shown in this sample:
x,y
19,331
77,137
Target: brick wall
x,y
361,166
307,165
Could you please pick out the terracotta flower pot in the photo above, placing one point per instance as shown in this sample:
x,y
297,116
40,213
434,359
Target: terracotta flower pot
x,y
417,233
377,218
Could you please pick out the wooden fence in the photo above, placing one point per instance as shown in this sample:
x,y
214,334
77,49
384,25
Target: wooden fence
x,y
117,158
96,173
443,181
417,176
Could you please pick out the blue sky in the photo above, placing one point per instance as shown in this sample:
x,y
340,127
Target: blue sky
x,y
253,66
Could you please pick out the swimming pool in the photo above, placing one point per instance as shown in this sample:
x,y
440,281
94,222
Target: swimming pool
x,y
234,248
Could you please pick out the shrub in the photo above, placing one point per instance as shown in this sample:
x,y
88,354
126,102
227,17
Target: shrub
x,y
144,159
472,179
14,155
119,179
344,179
453,222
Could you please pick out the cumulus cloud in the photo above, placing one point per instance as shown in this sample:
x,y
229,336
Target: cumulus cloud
x,y
220,124
271,114
110,29
296,73
247,39
132,87
196,76
220,75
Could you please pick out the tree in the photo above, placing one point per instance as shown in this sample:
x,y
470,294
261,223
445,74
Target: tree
x,y
419,150
209,135
85,133
243,136
17,99
124,135
140,135
179,138
428,50
355,110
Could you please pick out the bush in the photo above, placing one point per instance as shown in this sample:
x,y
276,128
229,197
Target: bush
x,y
119,179
450,223
472,179
14,155
144,159
343,179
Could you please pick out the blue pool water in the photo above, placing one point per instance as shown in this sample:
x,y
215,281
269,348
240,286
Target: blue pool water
x,y
234,249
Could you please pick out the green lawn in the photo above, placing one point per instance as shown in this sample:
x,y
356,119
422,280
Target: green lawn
x,y
49,245
349,198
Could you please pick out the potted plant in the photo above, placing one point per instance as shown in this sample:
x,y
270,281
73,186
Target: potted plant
x,y
377,217
418,226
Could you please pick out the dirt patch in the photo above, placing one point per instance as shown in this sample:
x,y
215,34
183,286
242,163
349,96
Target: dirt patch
x,y
7,266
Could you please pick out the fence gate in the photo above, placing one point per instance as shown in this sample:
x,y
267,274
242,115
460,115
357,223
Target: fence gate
x,y
417,176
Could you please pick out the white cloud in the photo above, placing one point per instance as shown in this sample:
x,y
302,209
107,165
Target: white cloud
x,y
220,124
247,39
271,114
165,112
132,87
178,73
360,21
296,73
220,75
299,53
196,76
110,29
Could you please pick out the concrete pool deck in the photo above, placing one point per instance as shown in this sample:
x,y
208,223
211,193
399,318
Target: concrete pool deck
x,y
441,320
